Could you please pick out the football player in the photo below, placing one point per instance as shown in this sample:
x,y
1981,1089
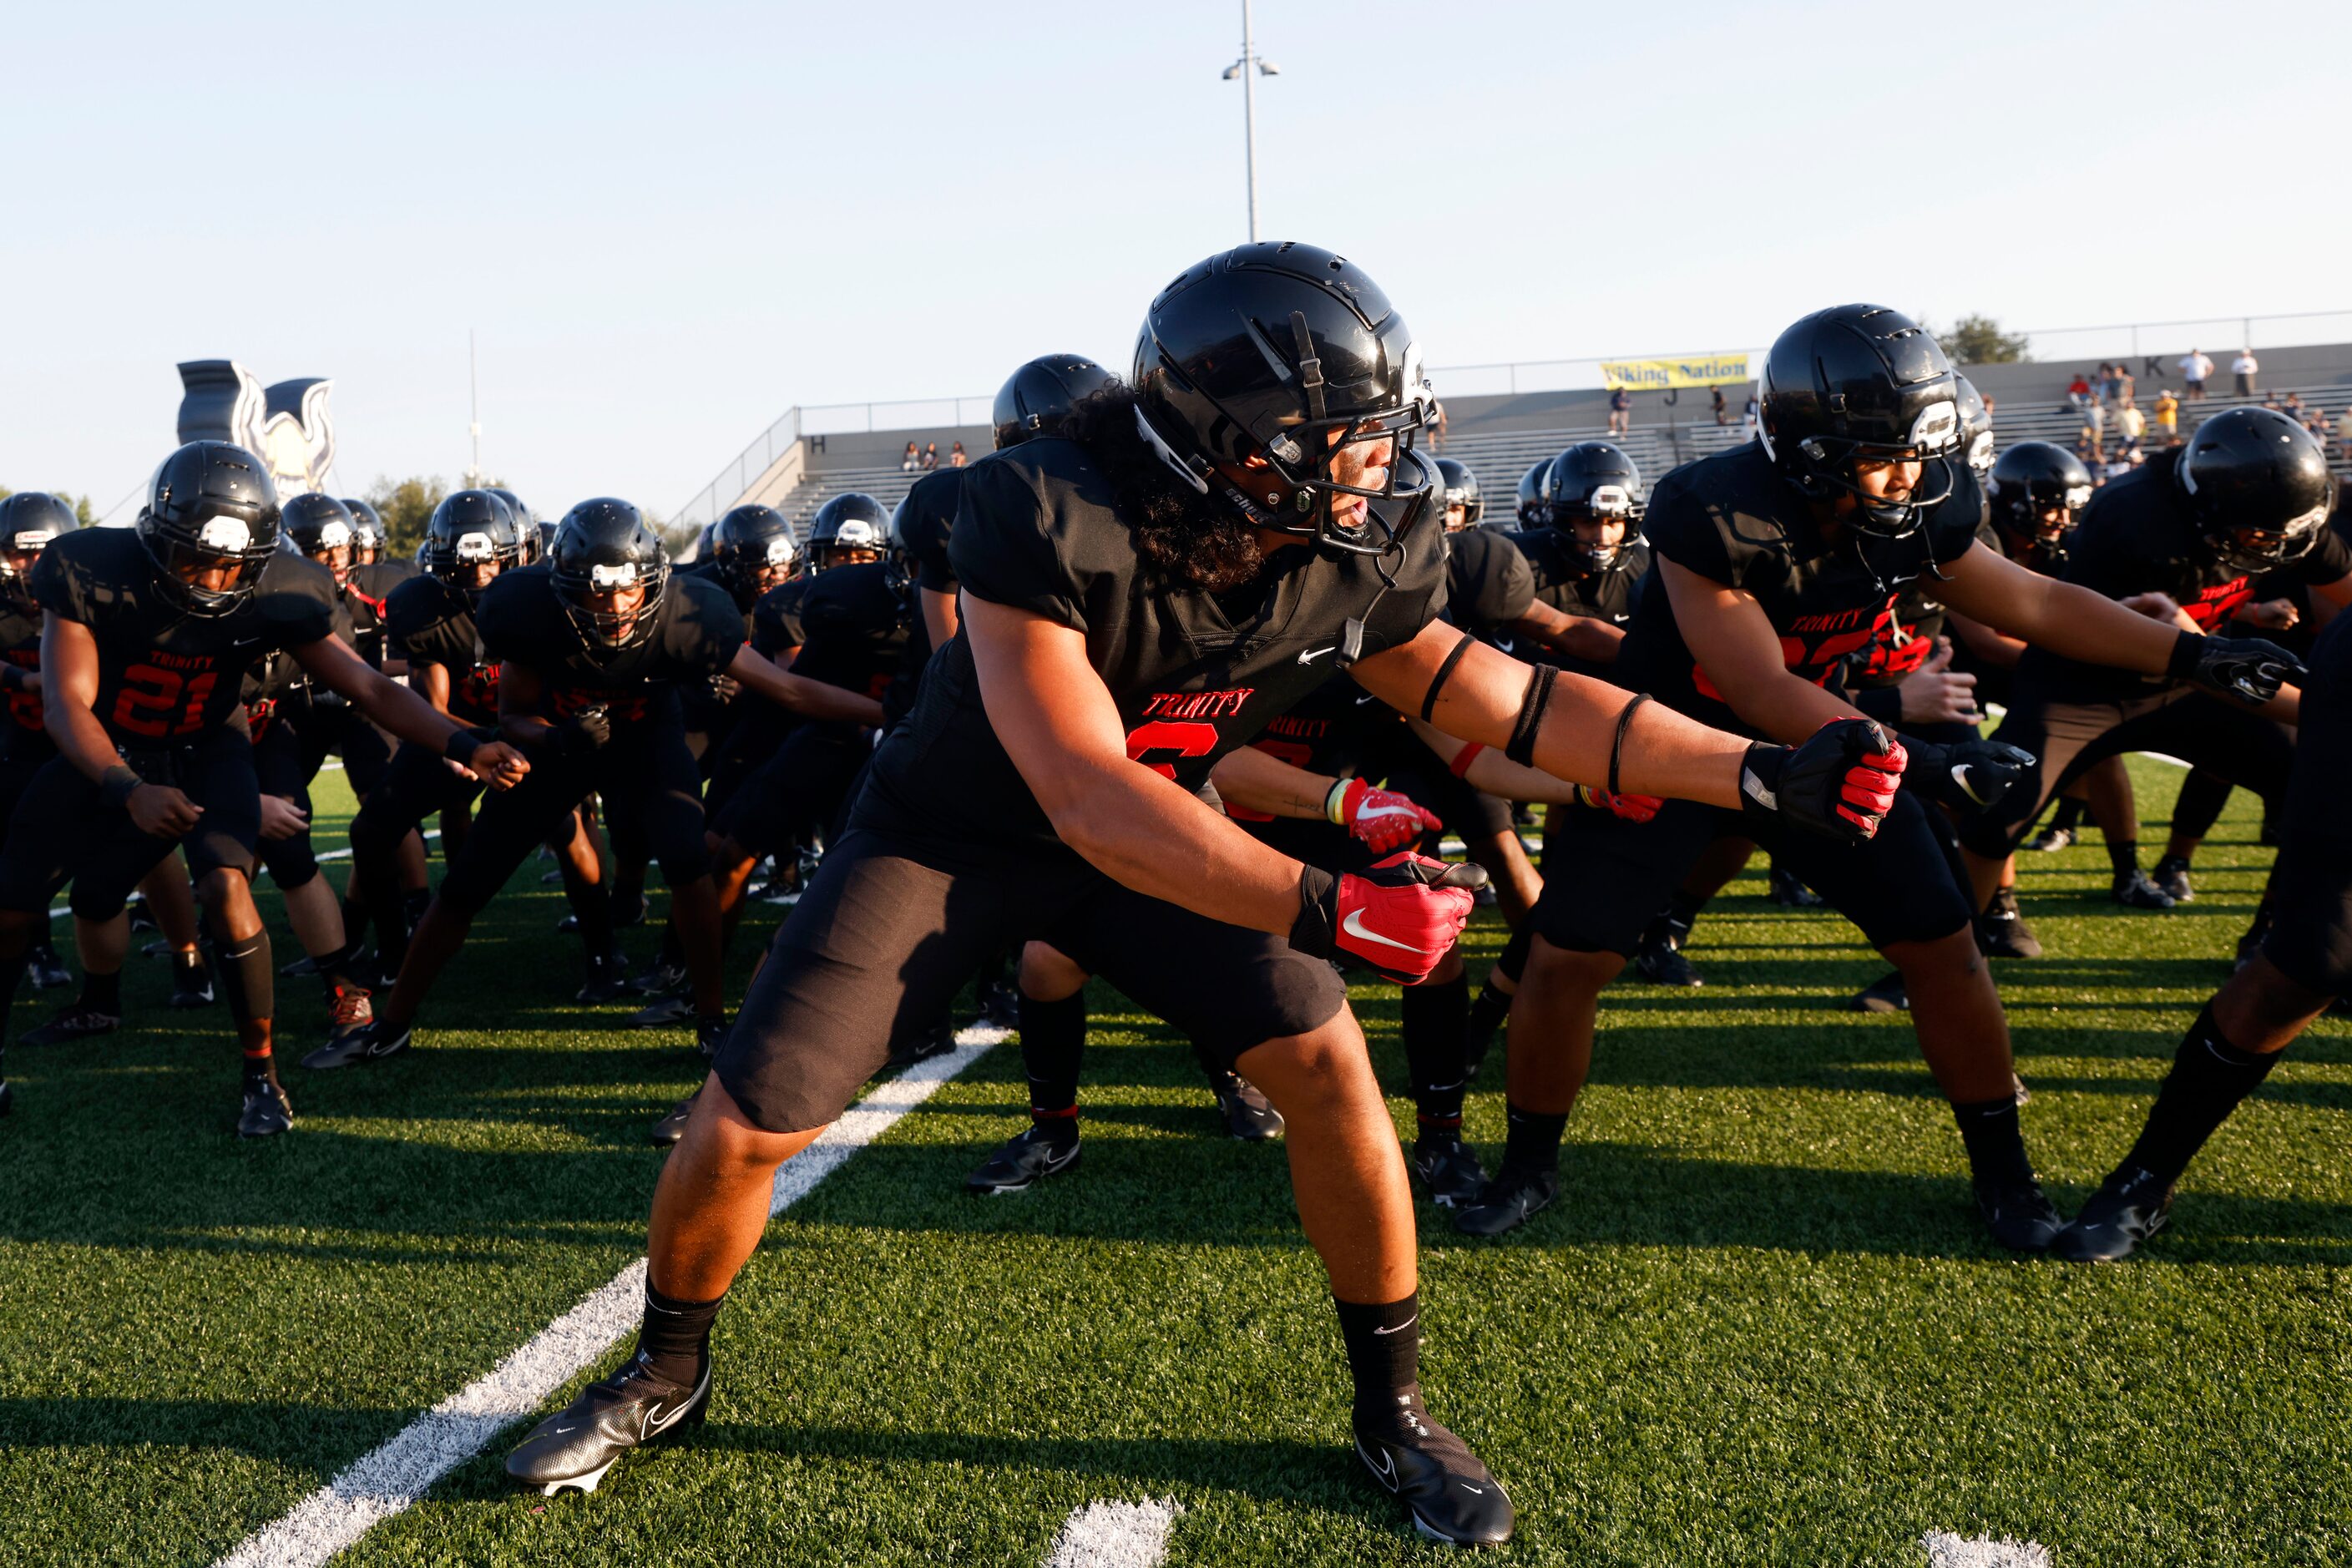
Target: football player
x,y
593,644
1528,510
29,519
1777,559
148,636
2302,964
2179,542
1140,598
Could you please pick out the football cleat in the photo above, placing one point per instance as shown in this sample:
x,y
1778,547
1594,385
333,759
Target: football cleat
x,y
300,968
922,1046
1448,1168
664,1013
999,1004
1452,1498
710,1034
574,1447
1783,889
2001,930
1249,1115
606,980
671,1127
44,968
1507,1202
1659,958
265,1112
7,1097
2019,1214
191,985
2050,839
2171,880
1044,1148
2132,890
75,1023
667,977
2129,1207
1884,995
371,1041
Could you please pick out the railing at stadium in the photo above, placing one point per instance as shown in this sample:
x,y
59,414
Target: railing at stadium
x,y
2219,336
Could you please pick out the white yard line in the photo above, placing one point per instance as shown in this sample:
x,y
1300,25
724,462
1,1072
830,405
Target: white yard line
x,y
1945,1550
1115,1535
394,1476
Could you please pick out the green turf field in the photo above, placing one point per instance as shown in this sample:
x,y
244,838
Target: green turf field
x,y
1761,1326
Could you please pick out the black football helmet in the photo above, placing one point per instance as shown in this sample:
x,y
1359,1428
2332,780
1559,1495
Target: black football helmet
x,y
1038,396
28,521
2033,477
601,546
851,521
2258,485
541,548
210,504
470,528
1261,368
368,536
318,523
1861,383
1593,480
1459,486
749,541
1976,427
1530,505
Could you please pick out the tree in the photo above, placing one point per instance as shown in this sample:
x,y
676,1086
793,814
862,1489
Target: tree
x,y
1978,340
406,506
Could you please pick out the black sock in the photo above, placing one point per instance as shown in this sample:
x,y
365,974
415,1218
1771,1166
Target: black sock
x,y
1435,1024
355,921
413,903
1532,1141
1996,1147
674,1339
102,992
1053,1043
1489,1009
593,906
260,1068
1683,910
335,970
248,979
1383,1345
2123,855
2069,815
2210,1076
191,961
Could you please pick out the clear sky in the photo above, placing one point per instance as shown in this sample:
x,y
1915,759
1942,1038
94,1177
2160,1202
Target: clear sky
x,y
667,224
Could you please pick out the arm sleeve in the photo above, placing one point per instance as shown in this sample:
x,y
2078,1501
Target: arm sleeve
x,y
1001,548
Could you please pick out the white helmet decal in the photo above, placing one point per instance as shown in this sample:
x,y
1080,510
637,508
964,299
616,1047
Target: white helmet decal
x,y
229,535
606,579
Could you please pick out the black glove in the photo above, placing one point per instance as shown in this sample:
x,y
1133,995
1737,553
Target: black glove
x,y
1840,783
584,731
1969,777
2246,669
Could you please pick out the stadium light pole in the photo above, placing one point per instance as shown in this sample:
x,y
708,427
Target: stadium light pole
x,y
1249,68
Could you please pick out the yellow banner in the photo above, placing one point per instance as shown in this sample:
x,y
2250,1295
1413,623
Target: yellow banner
x,y
1664,375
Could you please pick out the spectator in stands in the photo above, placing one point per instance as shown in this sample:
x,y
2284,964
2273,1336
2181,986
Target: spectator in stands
x,y
2123,388
1722,409
2168,415
2243,367
907,464
2344,434
2194,368
930,456
2105,387
956,457
1439,434
2078,391
2293,406
1987,403
2095,415
1750,416
2132,423
1621,412
2086,446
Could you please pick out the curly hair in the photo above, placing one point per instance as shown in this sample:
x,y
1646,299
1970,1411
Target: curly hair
x,y
1184,539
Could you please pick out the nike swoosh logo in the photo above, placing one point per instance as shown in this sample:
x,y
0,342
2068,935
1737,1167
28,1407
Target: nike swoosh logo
x,y
1354,926
1475,1491
1388,811
1385,1472
1310,656
656,1422
1400,1327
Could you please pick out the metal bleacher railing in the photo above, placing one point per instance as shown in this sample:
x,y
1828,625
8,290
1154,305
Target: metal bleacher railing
x,y
1656,448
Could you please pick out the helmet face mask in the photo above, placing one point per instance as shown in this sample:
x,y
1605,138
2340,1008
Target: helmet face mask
x,y
1851,394
1586,489
850,529
1278,379
209,527
2031,481
610,573
471,539
1459,490
28,521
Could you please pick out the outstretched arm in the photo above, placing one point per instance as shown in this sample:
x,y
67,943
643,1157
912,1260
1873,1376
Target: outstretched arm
x,y
331,663
798,692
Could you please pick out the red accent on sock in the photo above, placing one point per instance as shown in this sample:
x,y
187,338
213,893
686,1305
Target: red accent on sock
x,y
1449,1122
262,1055
1071,1114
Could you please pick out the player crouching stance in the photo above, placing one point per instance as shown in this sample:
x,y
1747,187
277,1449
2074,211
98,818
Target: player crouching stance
x,y
147,639
1139,597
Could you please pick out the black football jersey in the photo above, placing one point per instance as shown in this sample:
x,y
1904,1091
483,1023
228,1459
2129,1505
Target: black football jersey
x,y
432,623
697,633
1488,583
1194,674
926,521
164,676
776,625
366,594
1732,519
2138,536
20,645
1340,730
855,622
1558,576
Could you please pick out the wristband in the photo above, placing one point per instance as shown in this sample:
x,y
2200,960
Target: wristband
x,y
461,746
2187,649
119,784
1334,802
1460,766
1617,746
1313,931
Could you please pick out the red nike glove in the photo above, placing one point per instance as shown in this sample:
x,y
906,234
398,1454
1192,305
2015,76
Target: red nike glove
x,y
1631,807
1840,783
1399,918
1381,819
